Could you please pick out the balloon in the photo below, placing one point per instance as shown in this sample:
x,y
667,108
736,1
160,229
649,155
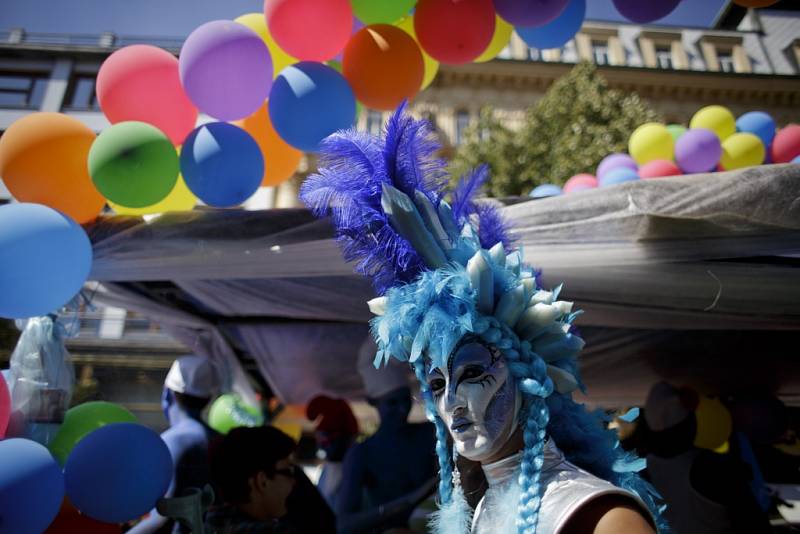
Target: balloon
x,y
742,150
530,12
658,168
309,101
226,69
43,160
676,130
82,419
558,32
118,472
280,159
5,407
179,199
545,190
454,31
431,65
612,161
31,487
228,411
500,39
372,12
755,3
310,30
141,83
383,65
651,141
785,146
45,258
69,521
618,176
257,23
222,164
698,150
133,164
718,119
758,123
714,423
645,12
796,160
579,182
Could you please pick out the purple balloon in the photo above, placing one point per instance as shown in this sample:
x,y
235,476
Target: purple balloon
x,y
529,12
644,11
226,69
698,150
614,161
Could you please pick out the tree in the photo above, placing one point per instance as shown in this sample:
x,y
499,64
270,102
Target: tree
x,y
578,122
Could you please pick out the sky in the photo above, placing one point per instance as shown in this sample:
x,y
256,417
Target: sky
x,y
177,18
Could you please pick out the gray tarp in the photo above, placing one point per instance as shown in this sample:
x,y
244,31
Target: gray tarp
x,y
659,266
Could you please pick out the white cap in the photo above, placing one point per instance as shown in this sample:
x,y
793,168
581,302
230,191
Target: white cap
x,y
664,407
379,382
192,375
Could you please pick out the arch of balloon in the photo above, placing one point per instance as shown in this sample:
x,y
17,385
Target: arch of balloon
x,y
276,83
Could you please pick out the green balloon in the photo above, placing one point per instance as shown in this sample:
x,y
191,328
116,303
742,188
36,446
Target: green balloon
x,y
229,411
676,130
82,419
133,164
375,11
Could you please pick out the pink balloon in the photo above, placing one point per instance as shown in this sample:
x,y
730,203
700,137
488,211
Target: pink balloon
x,y
786,145
658,168
311,30
579,182
5,406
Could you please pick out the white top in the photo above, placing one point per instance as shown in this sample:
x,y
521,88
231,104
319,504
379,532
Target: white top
x,y
565,488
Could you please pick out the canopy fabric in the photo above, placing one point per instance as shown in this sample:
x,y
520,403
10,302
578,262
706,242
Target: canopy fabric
x,y
647,261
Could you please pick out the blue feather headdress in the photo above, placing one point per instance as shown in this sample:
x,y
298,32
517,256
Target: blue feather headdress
x,y
443,271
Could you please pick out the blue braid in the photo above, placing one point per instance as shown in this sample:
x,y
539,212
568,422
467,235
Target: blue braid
x,y
530,498
445,466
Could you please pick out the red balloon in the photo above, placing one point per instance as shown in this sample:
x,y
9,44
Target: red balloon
x,y
311,30
383,65
658,168
454,31
579,182
141,83
786,145
755,3
70,521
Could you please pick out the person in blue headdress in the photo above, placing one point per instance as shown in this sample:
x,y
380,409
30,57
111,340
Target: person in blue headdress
x,y
493,351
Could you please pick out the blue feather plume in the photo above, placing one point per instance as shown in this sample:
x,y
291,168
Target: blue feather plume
x,y
492,226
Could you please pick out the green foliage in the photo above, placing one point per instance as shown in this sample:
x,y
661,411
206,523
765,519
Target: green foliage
x,y
8,339
570,130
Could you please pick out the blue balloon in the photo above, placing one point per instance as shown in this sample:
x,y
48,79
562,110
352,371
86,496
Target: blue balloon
x,y
758,123
118,472
557,33
31,487
546,190
796,160
308,102
618,176
45,258
221,164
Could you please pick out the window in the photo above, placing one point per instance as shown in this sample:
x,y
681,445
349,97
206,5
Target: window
x,y
600,45
600,52
725,60
374,122
81,94
22,90
724,53
462,123
664,57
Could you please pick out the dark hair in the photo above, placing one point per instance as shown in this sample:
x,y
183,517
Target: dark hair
x,y
242,454
190,402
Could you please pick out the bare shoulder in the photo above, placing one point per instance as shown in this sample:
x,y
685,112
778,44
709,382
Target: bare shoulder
x,y
610,514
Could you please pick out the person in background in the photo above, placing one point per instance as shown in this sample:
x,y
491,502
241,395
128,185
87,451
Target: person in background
x,y
189,386
336,431
705,492
392,471
254,475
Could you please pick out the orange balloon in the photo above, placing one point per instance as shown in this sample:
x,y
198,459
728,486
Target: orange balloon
x,y
755,3
43,160
280,159
383,65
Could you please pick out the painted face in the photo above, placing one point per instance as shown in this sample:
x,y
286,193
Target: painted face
x,y
477,399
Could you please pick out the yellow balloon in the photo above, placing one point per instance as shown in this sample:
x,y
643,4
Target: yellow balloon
x,y
431,65
179,199
293,430
258,23
501,37
714,424
718,119
742,150
651,141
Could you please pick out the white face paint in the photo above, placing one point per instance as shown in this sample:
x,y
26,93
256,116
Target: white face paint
x,y
477,399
